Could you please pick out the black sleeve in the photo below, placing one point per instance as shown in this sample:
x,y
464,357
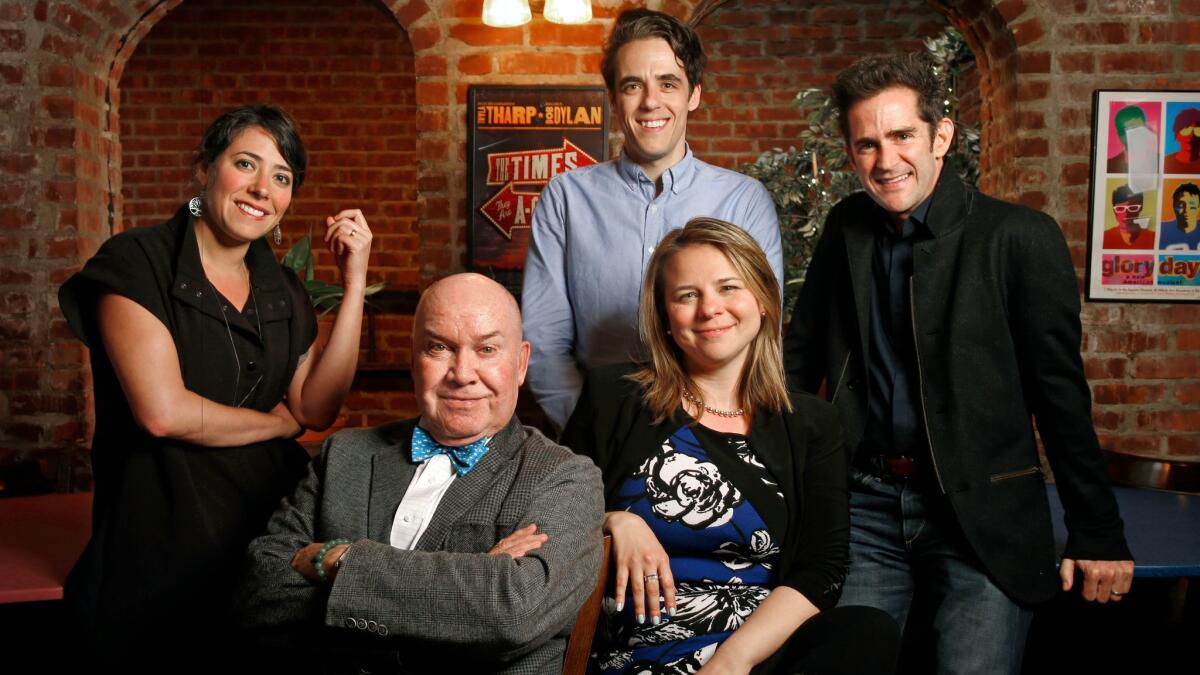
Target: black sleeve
x,y
1044,307
304,317
804,346
125,266
824,537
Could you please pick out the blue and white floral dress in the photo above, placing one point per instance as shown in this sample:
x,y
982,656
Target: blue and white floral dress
x,y
721,551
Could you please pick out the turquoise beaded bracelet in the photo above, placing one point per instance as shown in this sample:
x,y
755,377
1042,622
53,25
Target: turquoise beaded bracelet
x,y
318,560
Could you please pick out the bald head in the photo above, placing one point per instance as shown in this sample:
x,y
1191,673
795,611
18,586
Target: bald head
x,y
469,292
468,358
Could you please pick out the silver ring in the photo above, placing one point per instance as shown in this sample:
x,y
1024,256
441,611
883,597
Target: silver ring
x,y
352,231
651,577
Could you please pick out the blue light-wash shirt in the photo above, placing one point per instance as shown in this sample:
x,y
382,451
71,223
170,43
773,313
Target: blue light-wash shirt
x,y
593,231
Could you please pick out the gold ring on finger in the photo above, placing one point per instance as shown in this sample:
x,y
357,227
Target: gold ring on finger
x,y
1116,594
651,577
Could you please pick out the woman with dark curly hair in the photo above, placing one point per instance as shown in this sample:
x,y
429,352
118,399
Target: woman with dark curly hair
x,y
726,492
204,364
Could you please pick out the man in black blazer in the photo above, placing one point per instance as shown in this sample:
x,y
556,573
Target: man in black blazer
x,y
941,321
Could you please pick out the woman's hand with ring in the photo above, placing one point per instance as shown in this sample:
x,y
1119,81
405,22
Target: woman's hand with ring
x,y
642,566
349,238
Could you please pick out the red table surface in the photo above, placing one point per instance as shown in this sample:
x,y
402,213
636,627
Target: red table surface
x,y
40,539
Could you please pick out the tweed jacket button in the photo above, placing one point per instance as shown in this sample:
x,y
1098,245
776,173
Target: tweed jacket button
x,y
361,624
349,622
383,630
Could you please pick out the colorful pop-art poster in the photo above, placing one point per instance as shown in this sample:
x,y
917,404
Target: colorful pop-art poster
x,y
1179,270
1127,270
1141,202
1180,215
1182,146
518,139
1133,128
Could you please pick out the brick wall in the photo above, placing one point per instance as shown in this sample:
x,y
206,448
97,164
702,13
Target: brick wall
x,y
762,53
62,64
354,101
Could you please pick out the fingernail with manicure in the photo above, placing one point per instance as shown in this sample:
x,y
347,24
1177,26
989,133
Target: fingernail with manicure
x,y
641,618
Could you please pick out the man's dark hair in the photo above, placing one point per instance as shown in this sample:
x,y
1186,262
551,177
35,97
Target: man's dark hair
x,y
1129,112
1124,193
270,119
871,75
644,24
1188,117
1183,189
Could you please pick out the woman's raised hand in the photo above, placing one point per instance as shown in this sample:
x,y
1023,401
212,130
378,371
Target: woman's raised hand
x,y
349,238
642,565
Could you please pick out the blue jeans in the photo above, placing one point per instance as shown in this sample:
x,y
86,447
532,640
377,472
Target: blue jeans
x,y
908,556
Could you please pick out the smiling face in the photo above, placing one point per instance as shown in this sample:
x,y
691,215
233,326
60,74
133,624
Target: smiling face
x,y
468,358
890,148
247,188
652,97
712,314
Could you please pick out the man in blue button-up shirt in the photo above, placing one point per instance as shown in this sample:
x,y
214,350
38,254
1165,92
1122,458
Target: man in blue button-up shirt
x,y
594,228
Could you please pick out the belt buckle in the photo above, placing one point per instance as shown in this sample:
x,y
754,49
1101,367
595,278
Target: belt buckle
x,y
901,467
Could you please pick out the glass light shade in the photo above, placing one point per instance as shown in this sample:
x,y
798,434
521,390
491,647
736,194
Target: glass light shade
x,y
568,11
506,13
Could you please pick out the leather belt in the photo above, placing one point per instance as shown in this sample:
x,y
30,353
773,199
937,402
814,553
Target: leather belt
x,y
886,466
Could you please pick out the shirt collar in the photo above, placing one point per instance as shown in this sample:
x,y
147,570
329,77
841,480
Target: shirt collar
x,y
675,179
265,271
915,223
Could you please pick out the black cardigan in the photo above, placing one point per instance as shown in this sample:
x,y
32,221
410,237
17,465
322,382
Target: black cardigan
x,y
802,449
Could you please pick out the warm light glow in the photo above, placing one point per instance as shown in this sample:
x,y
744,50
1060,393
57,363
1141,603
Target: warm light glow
x,y
507,13
568,11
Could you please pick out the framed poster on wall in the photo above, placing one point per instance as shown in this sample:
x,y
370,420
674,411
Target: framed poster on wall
x,y
1144,201
518,138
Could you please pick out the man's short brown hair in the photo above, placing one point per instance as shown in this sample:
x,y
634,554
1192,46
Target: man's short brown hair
x,y
873,74
644,24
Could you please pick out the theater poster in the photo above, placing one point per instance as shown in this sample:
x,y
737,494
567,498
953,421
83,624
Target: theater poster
x,y
518,138
1143,229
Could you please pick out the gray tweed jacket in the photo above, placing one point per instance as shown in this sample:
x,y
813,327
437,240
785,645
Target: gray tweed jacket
x,y
447,605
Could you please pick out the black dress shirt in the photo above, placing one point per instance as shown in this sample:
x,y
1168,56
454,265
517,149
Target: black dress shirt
x,y
893,392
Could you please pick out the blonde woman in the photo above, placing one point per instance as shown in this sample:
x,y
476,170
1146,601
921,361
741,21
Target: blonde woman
x,y
726,493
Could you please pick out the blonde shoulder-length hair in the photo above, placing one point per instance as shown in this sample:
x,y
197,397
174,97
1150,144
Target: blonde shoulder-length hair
x,y
663,379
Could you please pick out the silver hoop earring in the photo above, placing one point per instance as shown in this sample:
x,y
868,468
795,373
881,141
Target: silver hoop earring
x,y
196,206
277,235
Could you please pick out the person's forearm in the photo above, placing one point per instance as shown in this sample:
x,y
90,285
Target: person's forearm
x,y
329,380
768,628
192,418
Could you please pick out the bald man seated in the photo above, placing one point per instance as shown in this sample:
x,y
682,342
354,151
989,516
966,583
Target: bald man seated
x,y
459,541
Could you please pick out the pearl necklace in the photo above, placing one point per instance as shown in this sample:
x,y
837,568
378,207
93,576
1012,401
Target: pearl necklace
x,y
716,411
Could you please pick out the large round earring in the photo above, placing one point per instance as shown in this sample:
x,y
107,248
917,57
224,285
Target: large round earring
x,y
277,235
196,205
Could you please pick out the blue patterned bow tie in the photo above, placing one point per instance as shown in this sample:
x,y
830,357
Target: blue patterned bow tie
x,y
463,458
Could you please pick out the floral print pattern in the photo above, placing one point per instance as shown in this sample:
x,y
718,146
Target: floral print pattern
x,y
721,551
682,488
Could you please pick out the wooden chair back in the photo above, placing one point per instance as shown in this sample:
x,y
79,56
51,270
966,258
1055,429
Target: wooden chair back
x,y
579,646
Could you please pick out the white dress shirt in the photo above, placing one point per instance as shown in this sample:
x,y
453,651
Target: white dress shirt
x,y
425,492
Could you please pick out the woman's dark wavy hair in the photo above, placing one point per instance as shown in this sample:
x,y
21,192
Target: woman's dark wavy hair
x,y
873,74
270,119
643,24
